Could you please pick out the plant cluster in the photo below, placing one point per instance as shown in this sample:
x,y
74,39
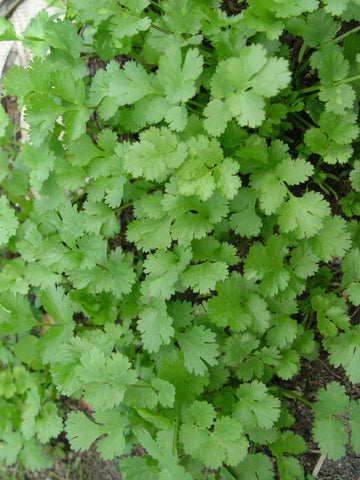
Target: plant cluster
x,y
174,235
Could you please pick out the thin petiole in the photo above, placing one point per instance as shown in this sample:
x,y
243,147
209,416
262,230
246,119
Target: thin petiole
x,y
344,35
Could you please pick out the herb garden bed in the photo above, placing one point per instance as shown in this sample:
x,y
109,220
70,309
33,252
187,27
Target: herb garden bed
x,y
180,262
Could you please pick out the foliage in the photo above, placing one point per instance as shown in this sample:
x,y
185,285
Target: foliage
x,y
168,233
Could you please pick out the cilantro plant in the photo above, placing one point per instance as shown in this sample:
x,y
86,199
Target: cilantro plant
x,y
168,229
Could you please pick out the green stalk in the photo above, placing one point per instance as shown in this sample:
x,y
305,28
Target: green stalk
x,y
291,394
140,60
135,424
160,29
314,88
19,128
344,35
155,5
302,120
135,385
176,432
302,52
130,204
301,69
50,325
347,80
91,55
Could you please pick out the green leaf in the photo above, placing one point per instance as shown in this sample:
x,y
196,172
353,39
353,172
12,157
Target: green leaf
x,y
331,437
294,172
331,313
355,176
203,277
319,28
337,98
57,304
11,443
290,468
265,263
49,425
283,331
254,467
217,115
226,179
100,218
303,215
114,87
178,77
199,348
245,221
336,7
114,444
331,64
7,30
166,392
31,408
345,350
163,270
247,108
288,364
15,306
4,122
156,155
82,432
192,218
256,407
333,239
343,129
104,388
243,82
136,468
8,221
331,401
197,175
187,385
289,442
244,306
149,233
155,325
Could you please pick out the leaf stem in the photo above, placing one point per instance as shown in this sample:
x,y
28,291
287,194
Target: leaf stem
x,y
347,80
135,385
302,120
314,88
135,424
19,128
155,5
301,69
91,55
138,58
291,394
344,35
176,432
50,325
130,204
160,29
